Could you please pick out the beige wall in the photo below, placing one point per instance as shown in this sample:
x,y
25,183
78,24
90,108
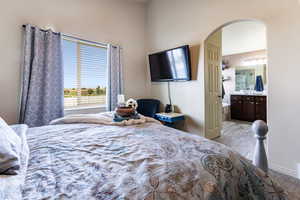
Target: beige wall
x,y
176,22
237,59
112,21
243,37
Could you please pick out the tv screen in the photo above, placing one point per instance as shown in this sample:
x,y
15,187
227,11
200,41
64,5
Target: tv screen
x,y
171,65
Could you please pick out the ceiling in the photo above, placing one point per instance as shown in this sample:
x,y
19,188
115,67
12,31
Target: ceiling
x,y
243,37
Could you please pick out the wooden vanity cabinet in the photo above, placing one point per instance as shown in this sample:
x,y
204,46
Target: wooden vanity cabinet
x,y
261,108
236,107
248,107
248,111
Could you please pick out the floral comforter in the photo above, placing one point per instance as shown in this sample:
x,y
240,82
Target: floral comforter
x,y
141,162
11,186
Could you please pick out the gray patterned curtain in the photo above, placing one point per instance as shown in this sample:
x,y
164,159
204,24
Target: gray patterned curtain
x,y
115,78
42,82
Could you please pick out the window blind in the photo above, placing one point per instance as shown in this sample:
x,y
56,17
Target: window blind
x,y
85,74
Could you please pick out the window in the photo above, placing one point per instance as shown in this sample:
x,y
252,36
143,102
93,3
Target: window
x,y
85,74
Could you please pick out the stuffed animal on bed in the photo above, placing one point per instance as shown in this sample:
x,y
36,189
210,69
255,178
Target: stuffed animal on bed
x,y
132,103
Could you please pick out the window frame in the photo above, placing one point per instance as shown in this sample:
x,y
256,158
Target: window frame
x,y
79,42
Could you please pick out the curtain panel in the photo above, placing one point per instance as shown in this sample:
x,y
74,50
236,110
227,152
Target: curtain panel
x,y
115,76
42,81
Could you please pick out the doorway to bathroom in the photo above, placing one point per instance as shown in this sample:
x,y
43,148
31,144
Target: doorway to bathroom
x,y
236,83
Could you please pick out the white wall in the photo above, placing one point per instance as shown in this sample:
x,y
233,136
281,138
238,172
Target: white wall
x,y
177,22
112,21
243,37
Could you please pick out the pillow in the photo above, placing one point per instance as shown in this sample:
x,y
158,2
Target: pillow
x,y
10,146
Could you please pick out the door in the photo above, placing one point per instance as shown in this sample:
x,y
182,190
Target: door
x,y
248,108
236,107
213,85
261,108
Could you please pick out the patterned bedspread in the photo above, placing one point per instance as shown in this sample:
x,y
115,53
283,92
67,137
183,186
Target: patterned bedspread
x,y
11,186
141,162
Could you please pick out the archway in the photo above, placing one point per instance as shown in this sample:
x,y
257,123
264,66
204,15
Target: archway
x,y
235,60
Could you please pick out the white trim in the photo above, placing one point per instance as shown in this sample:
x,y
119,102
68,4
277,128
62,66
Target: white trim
x,y
283,170
83,41
85,108
90,110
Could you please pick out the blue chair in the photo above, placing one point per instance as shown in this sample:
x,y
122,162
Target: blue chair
x,y
148,107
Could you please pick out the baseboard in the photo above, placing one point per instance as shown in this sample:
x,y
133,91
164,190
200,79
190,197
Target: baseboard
x,y
284,170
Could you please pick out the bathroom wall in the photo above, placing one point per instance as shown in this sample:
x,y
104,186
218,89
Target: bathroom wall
x,y
236,61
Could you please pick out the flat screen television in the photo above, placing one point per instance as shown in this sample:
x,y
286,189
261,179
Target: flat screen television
x,y
171,65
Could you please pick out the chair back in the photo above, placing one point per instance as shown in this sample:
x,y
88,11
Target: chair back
x,y
148,107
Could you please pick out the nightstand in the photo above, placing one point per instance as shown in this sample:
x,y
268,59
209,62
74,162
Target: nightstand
x,y
169,119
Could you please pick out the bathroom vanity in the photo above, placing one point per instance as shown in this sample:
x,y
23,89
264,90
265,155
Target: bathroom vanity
x,y
248,107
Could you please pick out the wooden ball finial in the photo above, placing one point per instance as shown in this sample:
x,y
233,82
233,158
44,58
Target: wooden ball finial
x,y
260,128
260,160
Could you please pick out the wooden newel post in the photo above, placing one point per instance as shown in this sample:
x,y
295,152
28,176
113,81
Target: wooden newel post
x,y
260,160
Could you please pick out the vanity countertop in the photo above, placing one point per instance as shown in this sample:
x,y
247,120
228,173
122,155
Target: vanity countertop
x,y
250,93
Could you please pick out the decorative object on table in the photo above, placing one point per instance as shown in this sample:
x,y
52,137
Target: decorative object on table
x,y
118,118
169,108
148,107
126,112
132,103
121,100
259,86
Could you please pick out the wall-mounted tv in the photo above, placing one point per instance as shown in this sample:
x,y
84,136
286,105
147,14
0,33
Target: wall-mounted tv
x,y
171,65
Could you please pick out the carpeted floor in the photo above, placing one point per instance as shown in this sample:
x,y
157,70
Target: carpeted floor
x,y
239,136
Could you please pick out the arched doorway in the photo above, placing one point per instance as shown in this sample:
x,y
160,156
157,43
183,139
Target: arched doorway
x,y
235,66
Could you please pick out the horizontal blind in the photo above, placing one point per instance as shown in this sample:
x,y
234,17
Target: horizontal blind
x,y
85,73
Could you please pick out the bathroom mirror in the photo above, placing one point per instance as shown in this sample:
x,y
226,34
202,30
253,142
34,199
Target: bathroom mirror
x,y
245,76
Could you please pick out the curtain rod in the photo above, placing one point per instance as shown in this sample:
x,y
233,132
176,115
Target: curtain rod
x,y
76,38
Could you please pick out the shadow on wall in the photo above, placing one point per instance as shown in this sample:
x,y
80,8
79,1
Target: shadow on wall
x,y
194,53
191,124
188,123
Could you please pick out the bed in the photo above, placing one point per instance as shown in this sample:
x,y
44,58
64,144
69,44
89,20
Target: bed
x,y
147,161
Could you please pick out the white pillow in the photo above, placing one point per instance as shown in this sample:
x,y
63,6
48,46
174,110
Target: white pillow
x,y
10,147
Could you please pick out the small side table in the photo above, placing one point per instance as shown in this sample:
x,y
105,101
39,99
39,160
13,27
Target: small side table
x,y
169,119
